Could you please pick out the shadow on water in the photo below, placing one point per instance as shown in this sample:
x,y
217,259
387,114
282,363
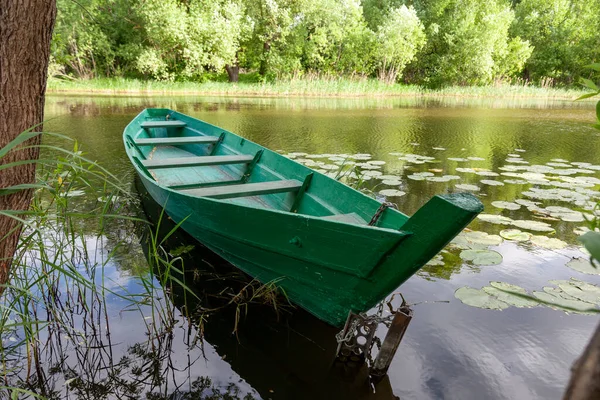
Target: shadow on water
x,y
281,352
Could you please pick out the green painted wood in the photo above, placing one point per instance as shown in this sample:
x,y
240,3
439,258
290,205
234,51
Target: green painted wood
x,y
350,218
246,190
300,195
251,166
216,146
324,256
176,141
162,124
196,161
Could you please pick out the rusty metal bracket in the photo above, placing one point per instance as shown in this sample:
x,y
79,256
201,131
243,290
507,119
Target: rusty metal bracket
x,y
357,339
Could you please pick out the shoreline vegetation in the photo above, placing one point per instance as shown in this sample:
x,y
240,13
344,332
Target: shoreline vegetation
x,y
331,87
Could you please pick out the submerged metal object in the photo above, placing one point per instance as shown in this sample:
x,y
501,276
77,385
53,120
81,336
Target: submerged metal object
x,y
357,339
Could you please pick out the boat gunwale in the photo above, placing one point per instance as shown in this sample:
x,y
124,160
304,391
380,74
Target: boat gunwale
x,y
282,212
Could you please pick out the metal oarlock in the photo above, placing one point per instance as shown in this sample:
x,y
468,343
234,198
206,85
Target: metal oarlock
x,y
356,340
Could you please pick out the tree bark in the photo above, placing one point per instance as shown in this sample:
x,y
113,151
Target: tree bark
x,y
585,374
233,71
25,33
262,70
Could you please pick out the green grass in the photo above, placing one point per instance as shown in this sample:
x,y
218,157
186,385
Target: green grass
x,y
322,87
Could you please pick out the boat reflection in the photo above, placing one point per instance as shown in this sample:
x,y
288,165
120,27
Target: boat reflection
x,y
281,351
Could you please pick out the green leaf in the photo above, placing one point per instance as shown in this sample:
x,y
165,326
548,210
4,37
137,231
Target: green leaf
x,y
583,265
587,95
598,110
588,84
481,257
479,298
594,66
515,234
510,294
591,241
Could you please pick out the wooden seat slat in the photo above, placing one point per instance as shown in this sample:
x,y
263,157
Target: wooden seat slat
x,y
196,161
246,189
176,141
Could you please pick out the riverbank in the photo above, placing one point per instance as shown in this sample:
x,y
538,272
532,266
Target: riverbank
x,y
342,87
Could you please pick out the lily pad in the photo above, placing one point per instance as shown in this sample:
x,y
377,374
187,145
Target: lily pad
x,y
583,265
516,235
582,291
515,181
501,291
392,193
436,261
481,257
560,303
458,159
482,238
506,205
495,219
466,186
476,158
491,182
391,182
438,148
487,173
548,243
479,298
372,173
376,162
437,179
533,225
526,203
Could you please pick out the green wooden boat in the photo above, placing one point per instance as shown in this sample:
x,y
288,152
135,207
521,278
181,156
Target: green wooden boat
x,y
278,220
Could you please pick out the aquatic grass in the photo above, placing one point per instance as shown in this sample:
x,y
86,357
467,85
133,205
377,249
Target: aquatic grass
x,y
55,300
307,86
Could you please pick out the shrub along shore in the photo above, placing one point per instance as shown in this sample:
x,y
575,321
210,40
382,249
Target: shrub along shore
x,y
338,87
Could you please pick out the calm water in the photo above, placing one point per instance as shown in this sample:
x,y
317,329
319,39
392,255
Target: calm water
x,y
451,350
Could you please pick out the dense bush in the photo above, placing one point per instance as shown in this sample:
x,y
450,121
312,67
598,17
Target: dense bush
x,y
432,42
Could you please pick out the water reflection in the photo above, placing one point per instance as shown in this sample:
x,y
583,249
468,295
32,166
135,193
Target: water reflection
x,y
283,352
451,350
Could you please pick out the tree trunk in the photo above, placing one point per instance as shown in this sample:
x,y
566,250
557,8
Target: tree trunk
x,y
25,33
585,374
263,61
233,71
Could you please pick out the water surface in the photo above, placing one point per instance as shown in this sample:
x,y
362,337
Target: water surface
x,y
451,350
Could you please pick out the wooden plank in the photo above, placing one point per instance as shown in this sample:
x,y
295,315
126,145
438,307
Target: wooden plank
x,y
176,141
196,161
251,166
163,124
300,195
351,218
246,190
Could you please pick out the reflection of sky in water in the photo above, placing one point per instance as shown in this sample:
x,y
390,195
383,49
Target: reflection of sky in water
x,y
450,351
128,326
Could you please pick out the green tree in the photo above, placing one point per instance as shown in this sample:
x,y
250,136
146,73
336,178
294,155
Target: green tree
x,y
564,34
399,38
183,40
467,40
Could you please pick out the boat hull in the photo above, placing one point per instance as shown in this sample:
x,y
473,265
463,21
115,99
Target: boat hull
x,y
328,267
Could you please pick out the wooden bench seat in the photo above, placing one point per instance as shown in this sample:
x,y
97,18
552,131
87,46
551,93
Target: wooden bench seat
x,y
246,189
196,161
163,124
351,218
176,141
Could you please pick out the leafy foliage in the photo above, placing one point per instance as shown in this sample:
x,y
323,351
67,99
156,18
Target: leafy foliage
x,y
436,43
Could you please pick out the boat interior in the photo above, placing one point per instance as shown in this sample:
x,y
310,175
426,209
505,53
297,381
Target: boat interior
x,y
202,160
